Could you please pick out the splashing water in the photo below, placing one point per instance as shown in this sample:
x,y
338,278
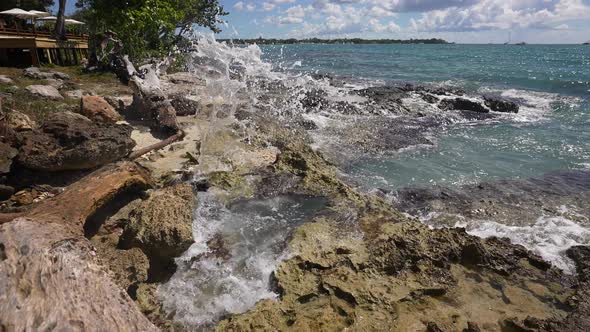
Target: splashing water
x,y
228,268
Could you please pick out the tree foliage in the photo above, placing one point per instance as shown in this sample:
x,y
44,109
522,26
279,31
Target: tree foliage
x,y
25,4
148,26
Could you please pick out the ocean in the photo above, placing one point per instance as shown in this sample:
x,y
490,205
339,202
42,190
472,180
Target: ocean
x,y
550,133
380,114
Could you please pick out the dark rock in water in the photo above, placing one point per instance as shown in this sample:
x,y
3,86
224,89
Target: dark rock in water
x,y
581,256
185,105
462,104
5,192
314,99
504,201
501,105
7,153
430,98
307,124
69,141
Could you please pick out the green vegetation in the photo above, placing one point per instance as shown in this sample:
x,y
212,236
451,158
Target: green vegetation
x,y
25,4
148,27
264,41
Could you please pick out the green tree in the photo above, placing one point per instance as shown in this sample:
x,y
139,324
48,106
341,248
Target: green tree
x,y
149,27
25,4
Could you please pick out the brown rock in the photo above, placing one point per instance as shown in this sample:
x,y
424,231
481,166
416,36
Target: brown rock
x,y
18,121
162,225
69,141
98,109
7,153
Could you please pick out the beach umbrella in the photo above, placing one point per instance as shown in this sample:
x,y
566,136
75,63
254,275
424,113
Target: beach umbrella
x,y
48,18
19,13
73,22
39,13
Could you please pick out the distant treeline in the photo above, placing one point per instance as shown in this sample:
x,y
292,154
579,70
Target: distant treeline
x,y
264,41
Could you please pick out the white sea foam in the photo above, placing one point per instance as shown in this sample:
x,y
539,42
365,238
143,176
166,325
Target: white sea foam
x,y
549,237
208,284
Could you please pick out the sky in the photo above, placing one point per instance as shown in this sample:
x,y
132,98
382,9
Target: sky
x,y
461,21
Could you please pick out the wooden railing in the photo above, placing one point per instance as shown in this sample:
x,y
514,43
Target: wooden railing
x,y
38,34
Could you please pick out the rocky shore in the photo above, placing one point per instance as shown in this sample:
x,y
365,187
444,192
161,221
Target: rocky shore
x,y
96,212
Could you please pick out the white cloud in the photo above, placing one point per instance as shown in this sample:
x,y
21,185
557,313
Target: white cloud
x,y
503,14
241,6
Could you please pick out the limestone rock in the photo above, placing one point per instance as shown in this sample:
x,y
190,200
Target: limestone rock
x,y
162,225
98,109
51,280
7,153
46,91
5,80
69,141
403,277
36,73
128,267
17,121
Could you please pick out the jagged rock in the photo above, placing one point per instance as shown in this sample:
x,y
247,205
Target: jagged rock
x,y
36,73
402,276
7,153
51,280
501,105
462,104
128,267
5,80
17,121
162,225
581,256
98,109
74,94
185,105
69,141
46,91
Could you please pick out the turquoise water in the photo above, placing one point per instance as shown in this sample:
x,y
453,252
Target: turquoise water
x,y
552,131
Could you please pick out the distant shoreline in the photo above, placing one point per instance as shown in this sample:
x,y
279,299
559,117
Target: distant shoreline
x,y
264,41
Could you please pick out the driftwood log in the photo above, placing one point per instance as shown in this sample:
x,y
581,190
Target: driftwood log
x,y
51,279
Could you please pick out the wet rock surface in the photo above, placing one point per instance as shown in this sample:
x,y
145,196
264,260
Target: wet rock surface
x,y
69,141
512,202
404,276
161,226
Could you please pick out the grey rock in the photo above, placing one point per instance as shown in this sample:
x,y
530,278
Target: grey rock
x,y
5,79
74,94
36,73
46,91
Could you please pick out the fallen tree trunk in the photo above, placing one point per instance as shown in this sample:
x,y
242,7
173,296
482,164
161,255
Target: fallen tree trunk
x,y
83,198
51,279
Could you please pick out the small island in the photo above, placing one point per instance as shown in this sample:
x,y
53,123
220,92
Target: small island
x,y
273,41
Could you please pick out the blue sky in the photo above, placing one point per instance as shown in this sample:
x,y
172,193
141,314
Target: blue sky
x,y
464,21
